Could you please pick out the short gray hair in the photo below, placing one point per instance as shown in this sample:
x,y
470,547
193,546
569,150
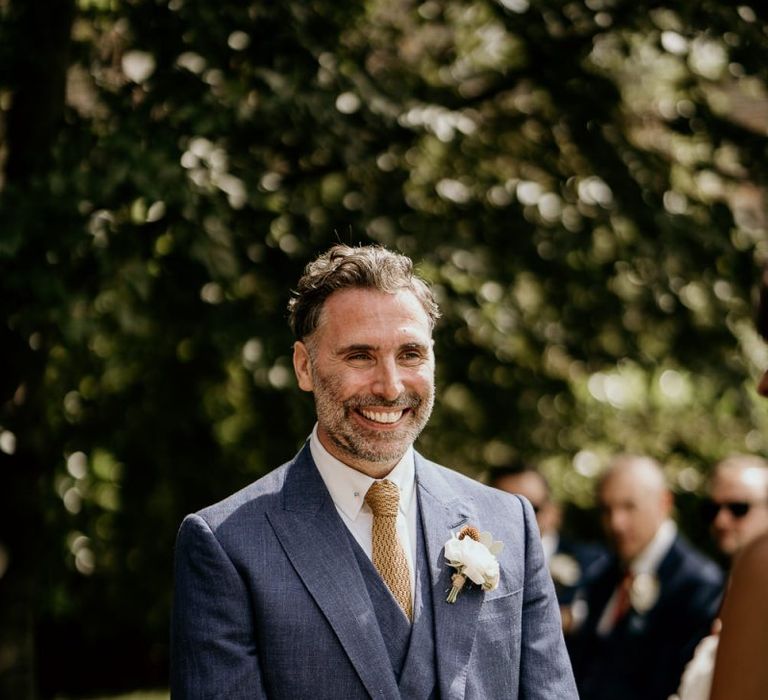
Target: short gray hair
x,y
346,267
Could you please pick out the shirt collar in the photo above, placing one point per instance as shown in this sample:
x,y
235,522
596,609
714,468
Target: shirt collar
x,y
649,559
549,543
348,486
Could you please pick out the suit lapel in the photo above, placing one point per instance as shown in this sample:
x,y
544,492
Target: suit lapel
x,y
455,624
670,569
667,571
316,542
671,565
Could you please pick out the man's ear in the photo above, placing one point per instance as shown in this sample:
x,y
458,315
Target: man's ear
x,y
302,366
667,501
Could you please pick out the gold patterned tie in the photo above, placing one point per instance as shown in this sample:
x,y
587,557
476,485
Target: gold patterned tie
x,y
388,554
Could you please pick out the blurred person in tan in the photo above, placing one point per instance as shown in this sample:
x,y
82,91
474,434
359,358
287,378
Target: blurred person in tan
x,y
569,560
654,599
741,671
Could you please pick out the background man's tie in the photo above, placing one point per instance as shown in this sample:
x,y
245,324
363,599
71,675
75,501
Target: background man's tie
x,y
388,555
623,600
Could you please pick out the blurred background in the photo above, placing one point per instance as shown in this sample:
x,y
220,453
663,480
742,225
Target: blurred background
x,y
582,181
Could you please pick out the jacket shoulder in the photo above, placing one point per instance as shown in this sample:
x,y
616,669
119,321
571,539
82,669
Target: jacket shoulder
x,y
451,482
694,564
257,496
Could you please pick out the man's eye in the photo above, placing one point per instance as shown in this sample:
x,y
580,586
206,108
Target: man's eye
x,y
412,356
358,357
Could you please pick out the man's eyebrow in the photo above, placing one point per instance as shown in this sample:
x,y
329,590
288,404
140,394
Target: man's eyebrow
x,y
367,347
414,346
356,347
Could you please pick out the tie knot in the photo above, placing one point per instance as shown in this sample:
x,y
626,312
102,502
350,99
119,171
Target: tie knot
x,y
627,578
382,498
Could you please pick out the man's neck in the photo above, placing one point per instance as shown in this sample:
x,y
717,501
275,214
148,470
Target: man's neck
x,y
650,558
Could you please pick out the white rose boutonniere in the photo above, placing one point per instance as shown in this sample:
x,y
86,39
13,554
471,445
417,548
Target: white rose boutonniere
x,y
473,554
564,569
644,592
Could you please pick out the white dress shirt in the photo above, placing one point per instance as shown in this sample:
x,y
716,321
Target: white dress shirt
x,y
644,563
348,487
549,543
696,683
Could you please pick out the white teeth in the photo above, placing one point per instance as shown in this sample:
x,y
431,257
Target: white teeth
x,y
379,417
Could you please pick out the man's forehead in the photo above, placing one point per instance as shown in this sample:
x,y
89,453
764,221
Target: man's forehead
x,y
369,303
749,477
524,482
627,492
610,499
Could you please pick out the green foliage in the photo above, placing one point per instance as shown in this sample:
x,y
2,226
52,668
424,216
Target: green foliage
x,y
582,182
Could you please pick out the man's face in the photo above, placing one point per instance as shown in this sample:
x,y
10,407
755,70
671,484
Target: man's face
x,y
744,488
632,511
371,368
531,486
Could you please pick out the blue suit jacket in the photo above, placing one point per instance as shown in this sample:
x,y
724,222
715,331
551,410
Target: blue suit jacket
x,y
643,657
270,602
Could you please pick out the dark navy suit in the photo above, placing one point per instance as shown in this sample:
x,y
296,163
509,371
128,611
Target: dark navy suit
x,y
643,657
274,599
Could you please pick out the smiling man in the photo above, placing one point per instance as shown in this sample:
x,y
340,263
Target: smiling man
x,y
327,578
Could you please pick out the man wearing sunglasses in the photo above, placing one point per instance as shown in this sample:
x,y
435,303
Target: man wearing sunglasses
x,y
737,508
737,513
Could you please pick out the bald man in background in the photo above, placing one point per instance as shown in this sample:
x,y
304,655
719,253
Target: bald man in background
x,y
653,601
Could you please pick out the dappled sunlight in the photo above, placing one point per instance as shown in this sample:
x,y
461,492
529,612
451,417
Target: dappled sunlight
x,y
581,182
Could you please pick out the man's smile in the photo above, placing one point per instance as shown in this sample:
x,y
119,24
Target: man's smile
x,y
386,417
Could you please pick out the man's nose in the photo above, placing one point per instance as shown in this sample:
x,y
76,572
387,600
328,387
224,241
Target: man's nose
x,y
723,519
388,382
616,522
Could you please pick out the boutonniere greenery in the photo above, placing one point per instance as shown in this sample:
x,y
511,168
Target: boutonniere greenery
x,y
564,569
473,554
644,592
